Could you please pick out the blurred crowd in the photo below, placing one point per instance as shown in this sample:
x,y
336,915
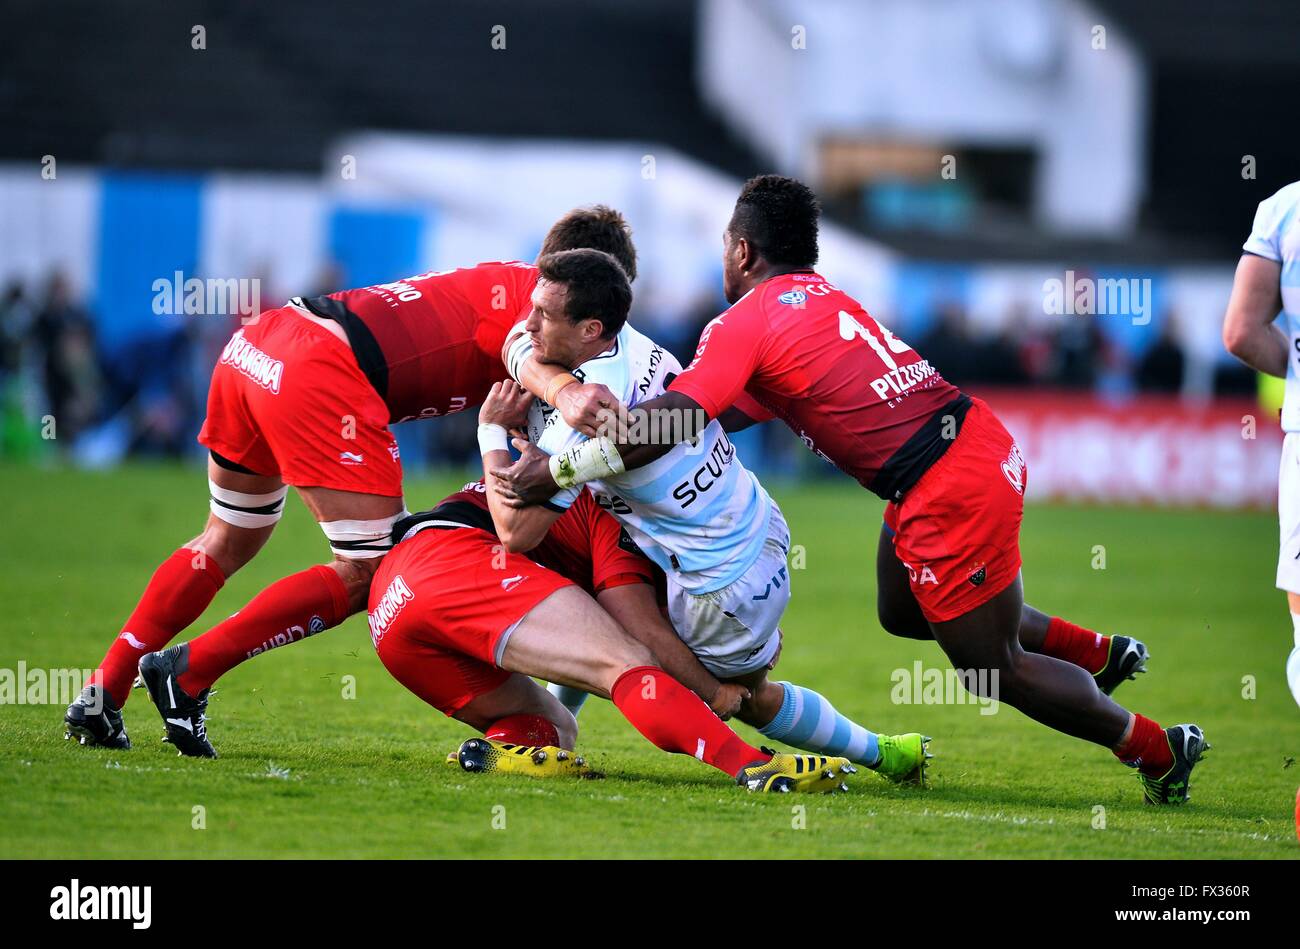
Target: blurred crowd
x,y
147,399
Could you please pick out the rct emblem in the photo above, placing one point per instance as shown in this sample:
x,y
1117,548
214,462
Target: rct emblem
x,y
794,298
1014,469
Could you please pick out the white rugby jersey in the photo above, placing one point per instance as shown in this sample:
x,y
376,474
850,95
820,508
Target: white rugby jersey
x,y
697,511
1276,235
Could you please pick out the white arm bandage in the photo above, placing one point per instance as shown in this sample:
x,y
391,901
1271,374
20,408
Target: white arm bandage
x,y
592,460
492,437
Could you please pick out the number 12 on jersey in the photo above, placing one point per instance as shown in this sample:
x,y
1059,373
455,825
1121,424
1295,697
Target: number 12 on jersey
x,y
850,327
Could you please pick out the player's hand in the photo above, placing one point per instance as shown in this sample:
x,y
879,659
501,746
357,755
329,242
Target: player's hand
x,y
506,405
728,699
587,408
528,481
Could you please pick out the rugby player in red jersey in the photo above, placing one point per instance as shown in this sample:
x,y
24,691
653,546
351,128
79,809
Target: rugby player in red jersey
x,y
304,395
794,346
463,623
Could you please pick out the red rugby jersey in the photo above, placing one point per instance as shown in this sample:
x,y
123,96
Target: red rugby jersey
x,y
431,344
810,355
585,545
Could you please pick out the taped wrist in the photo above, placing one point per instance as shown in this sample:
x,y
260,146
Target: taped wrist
x,y
592,460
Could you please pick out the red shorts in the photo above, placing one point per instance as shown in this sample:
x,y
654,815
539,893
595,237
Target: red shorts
x,y
442,605
288,399
958,529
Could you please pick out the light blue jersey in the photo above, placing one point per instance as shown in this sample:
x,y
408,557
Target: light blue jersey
x,y
696,511
1276,236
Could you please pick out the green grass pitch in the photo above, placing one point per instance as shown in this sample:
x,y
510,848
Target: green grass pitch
x,y
306,772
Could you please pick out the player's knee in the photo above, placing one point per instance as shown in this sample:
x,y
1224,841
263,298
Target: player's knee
x,y
899,622
629,654
229,545
356,576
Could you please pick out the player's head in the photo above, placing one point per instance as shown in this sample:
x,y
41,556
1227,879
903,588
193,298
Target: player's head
x,y
580,304
773,229
597,227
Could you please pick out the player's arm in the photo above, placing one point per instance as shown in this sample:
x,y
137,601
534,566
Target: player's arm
x,y
634,608
584,406
724,361
1248,330
520,529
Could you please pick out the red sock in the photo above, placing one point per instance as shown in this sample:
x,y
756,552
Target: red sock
x,y
1075,644
1147,748
178,593
531,730
673,717
288,610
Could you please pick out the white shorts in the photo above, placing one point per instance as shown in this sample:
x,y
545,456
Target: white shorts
x,y
1288,515
734,631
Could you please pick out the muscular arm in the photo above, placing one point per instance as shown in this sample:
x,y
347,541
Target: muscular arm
x,y
520,529
1248,330
634,608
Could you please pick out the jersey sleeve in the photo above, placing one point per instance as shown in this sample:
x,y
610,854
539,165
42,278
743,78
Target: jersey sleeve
x,y
1265,234
725,359
519,350
751,407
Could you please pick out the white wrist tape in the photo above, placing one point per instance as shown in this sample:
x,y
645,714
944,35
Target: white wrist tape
x,y
492,437
592,460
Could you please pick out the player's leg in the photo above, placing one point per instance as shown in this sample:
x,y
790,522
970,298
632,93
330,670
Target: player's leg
x,y
1288,560
358,527
521,712
1109,659
244,509
568,638
801,717
1064,696
288,611
326,427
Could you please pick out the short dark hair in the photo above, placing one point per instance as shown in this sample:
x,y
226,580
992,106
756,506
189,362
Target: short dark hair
x,y
778,216
597,227
597,284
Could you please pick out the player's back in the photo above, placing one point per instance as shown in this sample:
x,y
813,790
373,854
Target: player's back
x,y
852,391
697,511
431,344
1275,235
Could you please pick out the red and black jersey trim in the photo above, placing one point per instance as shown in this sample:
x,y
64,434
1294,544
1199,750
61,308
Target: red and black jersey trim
x,y
365,347
915,456
449,515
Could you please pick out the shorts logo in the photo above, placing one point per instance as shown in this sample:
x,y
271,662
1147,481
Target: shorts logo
x,y
243,356
509,583
979,576
350,458
390,604
793,298
924,576
1014,469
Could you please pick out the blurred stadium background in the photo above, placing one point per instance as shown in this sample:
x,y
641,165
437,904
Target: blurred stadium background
x,y
968,153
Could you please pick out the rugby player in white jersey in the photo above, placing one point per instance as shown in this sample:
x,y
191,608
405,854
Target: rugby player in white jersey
x,y
1268,282
696,512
